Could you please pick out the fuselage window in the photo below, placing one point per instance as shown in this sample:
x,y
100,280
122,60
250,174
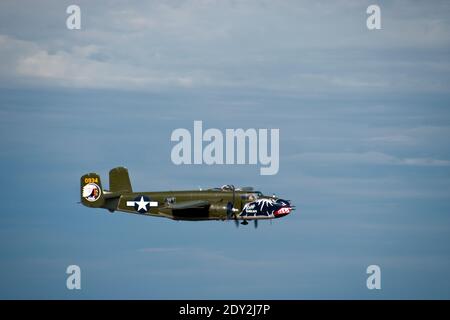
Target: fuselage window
x,y
170,200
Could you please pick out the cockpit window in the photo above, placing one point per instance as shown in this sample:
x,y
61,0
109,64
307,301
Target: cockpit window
x,y
252,196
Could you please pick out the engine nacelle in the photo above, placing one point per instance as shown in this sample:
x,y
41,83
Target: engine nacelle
x,y
221,209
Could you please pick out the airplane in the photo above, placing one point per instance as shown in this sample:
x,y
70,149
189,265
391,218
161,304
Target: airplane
x,y
224,203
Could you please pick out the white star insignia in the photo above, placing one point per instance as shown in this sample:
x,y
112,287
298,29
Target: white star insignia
x,y
142,204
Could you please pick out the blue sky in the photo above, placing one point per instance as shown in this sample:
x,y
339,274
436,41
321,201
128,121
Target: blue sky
x,y
364,123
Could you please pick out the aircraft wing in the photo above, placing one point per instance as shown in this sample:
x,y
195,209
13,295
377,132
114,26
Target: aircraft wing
x,y
189,205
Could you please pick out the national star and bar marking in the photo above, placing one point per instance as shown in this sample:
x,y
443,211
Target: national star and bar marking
x,y
142,204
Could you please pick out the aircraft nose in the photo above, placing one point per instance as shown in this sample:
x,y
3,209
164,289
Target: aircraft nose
x,y
283,211
285,208
283,203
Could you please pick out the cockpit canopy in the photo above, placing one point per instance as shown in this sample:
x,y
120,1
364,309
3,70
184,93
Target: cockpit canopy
x,y
252,196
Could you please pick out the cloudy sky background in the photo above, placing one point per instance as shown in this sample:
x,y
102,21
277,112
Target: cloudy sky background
x,y
364,124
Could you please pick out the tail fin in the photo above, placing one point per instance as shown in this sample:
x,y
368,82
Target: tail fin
x,y
119,180
91,191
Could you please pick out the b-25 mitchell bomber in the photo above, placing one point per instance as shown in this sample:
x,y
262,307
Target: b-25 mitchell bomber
x,y
224,203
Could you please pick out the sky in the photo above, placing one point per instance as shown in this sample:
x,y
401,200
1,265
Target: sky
x,y
364,123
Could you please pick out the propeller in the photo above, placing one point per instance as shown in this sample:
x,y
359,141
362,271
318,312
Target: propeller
x,y
230,205
256,223
231,214
229,210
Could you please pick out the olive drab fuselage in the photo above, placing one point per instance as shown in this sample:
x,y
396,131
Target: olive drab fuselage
x,y
223,203
217,209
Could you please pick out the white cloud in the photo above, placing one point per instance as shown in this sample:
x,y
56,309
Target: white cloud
x,y
78,68
158,250
394,139
296,46
368,158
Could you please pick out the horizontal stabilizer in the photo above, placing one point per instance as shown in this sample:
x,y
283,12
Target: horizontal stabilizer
x,y
111,195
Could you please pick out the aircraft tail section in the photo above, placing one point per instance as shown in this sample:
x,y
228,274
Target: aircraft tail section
x,y
119,180
91,191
